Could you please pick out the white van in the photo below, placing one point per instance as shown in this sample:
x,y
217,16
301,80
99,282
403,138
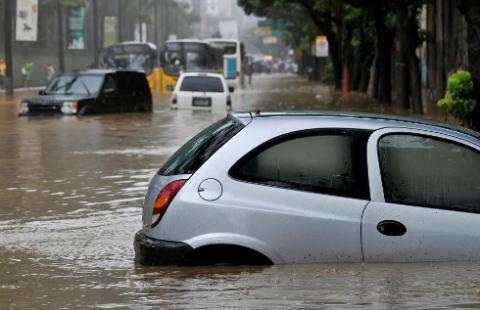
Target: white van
x,y
202,91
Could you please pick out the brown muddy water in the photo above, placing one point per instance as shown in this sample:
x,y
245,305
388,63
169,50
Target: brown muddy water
x,y
70,196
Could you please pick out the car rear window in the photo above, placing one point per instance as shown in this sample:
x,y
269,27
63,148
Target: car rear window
x,y
202,84
200,148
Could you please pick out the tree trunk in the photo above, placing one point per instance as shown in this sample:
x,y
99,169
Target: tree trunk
x,y
415,82
471,10
336,57
382,85
384,67
403,71
409,80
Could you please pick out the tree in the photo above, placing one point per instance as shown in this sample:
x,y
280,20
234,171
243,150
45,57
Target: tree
x,y
471,10
409,80
324,14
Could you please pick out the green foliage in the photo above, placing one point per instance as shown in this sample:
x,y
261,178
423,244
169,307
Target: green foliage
x,y
460,101
328,76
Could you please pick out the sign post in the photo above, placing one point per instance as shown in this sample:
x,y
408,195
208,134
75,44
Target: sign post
x,y
8,79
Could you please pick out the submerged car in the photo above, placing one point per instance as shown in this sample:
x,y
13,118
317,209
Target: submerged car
x,y
275,188
202,91
91,92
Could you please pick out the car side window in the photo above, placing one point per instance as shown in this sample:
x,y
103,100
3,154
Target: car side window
x,y
110,86
429,172
329,162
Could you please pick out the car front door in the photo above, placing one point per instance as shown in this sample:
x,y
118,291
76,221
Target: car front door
x,y
425,198
303,194
110,100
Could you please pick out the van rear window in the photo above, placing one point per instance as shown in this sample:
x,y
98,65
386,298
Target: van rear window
x,y
191,156
202,84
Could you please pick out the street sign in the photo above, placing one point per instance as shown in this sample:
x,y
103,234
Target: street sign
x,y
76,27
109,30
321,46
263,31
27,19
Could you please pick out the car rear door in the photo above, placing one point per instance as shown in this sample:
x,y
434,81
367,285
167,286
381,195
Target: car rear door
x,y
425,198
302,194
110,101
127,84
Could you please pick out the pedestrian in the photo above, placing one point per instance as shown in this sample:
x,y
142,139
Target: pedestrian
x,y
250,72
27,69
3,67
50,72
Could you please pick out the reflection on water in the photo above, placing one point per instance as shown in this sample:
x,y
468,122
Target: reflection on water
x,y
71,191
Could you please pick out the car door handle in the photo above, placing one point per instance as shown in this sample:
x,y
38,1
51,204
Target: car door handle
x,y
391,228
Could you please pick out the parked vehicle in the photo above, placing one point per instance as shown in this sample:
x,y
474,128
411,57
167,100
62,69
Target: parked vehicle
x,y
91,92
276,188
202,91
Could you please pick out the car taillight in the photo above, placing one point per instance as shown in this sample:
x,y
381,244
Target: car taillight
x,y
229,102
164,199
174,99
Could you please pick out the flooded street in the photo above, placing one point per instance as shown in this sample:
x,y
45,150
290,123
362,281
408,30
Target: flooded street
x,y
71,191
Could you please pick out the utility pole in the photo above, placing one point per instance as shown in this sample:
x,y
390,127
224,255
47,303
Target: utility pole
x,y
140,28
8,47
61,44
119,21
95,34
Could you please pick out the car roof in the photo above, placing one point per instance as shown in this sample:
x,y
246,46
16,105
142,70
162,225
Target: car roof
x,y
374,121
221,40
151,45
186,41
203,74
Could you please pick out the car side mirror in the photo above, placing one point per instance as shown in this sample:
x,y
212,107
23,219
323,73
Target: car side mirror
x,y
41,92
231,89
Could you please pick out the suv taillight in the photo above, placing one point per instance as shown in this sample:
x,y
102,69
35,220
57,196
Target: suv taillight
x,y
174,99
164,199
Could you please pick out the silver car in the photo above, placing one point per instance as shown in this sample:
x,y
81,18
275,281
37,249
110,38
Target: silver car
x,y
276,188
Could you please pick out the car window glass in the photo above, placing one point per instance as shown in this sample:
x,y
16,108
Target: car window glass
x,y
329,163
200,148
74,85
202,84
109,86
424,171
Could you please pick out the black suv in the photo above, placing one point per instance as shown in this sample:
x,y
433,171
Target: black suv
x,y
91,92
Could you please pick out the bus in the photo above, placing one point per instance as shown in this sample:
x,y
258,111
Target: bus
x,y
136,56
233,58
187,55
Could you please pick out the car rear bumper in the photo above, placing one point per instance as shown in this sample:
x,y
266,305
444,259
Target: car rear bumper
x,y
155,252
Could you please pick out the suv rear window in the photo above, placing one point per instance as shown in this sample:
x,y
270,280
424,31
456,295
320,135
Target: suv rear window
x,y
202,84
200,148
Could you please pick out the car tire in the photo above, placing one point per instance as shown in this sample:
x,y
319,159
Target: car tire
x,y
86,110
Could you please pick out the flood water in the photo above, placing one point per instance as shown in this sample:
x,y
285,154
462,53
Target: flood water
x,y
70,204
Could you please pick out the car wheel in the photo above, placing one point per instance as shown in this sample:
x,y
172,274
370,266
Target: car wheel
x,y
86,111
